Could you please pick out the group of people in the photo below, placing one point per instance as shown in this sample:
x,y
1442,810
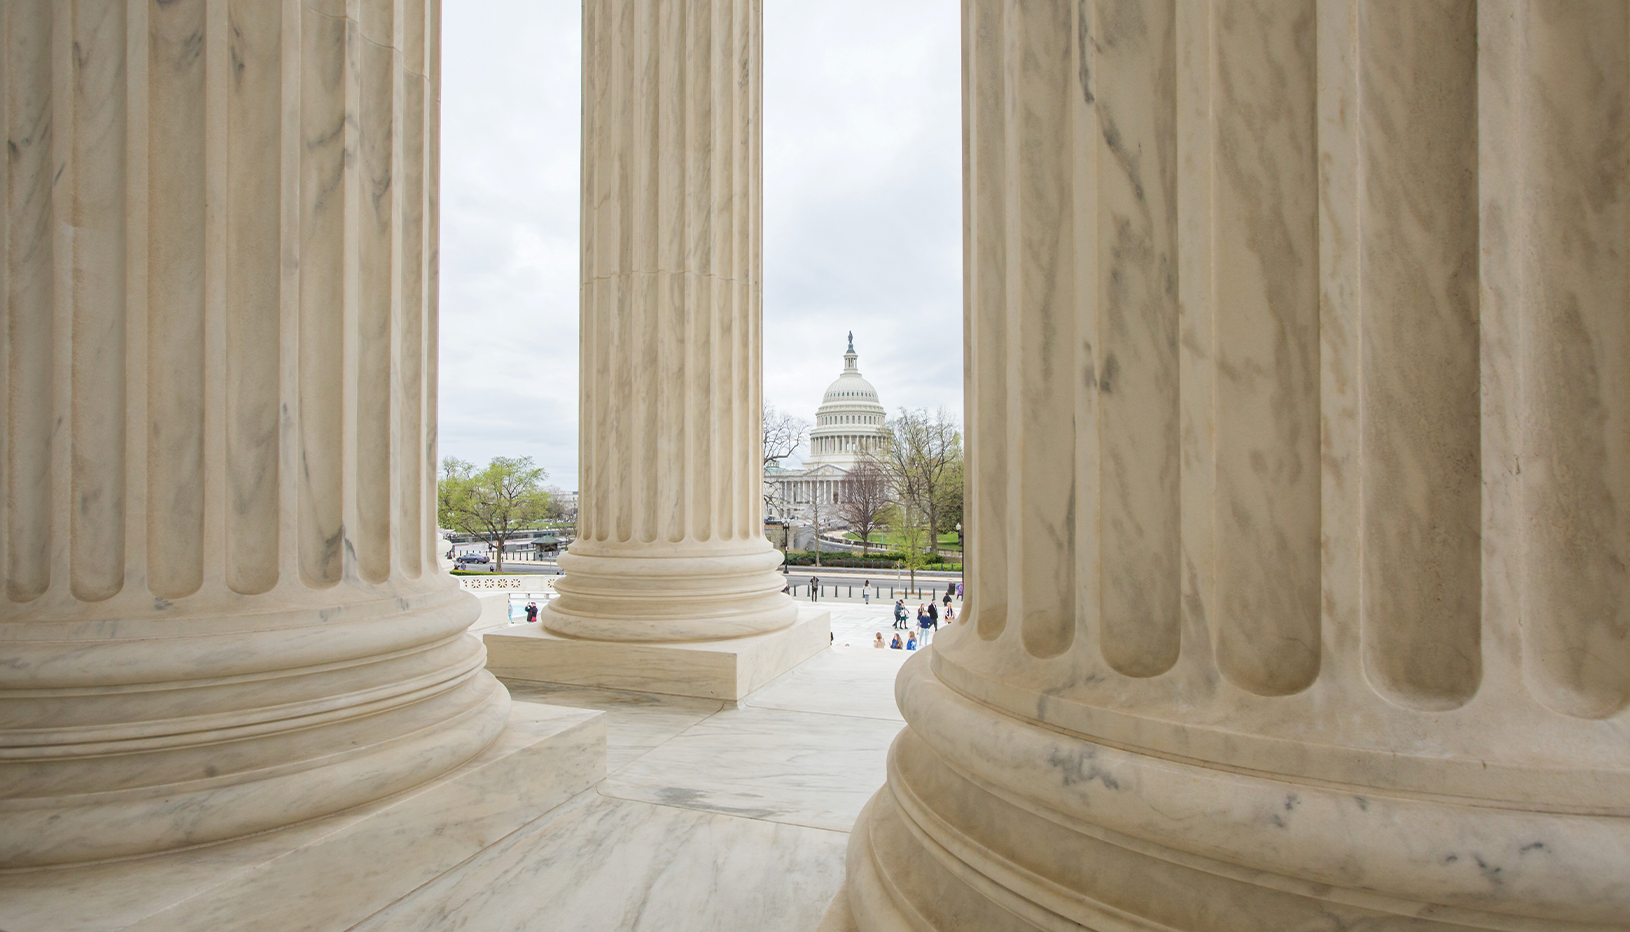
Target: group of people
x,y
910,642
928,620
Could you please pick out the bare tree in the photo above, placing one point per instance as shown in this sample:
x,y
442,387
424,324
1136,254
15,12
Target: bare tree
x,y
783,435
922,458
863,494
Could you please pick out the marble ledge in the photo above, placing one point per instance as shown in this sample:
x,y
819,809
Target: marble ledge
x,y
726,670
332,873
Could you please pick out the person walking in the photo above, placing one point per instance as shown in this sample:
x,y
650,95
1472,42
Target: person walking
x,y
934,614
923,621
948,590
814,588
866,592
900,613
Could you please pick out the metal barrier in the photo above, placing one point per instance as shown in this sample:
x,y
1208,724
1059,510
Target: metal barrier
x,y
877,592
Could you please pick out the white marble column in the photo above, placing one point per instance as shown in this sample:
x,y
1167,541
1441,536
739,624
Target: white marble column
x,y
1298,476
672,544
222,609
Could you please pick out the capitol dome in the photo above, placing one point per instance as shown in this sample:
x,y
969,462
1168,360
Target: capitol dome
x,y
848,387
850,419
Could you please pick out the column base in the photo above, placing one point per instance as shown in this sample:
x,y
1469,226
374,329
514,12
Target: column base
x,y
992,822
197,725
838,916
334,872
726,669
659,594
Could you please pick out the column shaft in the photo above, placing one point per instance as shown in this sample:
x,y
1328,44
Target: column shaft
x,y
1296,391
222,610
672,545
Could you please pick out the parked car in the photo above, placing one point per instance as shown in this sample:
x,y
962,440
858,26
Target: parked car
x,y
474,558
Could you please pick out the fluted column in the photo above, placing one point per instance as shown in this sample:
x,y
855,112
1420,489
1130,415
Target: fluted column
x,y
1298,476
671,542
222,611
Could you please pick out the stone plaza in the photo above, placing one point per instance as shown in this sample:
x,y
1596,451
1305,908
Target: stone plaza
x,y
1297,427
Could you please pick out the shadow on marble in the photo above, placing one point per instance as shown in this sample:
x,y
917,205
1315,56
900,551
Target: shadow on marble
x,y
601,864
635,722
800,768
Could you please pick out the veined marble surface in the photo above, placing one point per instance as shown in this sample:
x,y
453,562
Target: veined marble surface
x,y
717,815
636,723
328,873
851,681
608,864
800,768
808,749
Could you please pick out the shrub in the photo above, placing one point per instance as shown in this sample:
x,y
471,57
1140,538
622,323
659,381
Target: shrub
x,y
876,561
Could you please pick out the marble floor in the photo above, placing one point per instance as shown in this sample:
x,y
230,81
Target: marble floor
x,y
710,816
713,816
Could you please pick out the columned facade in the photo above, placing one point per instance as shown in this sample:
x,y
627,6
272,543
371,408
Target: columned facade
x,y
222,611
671,543
1299,591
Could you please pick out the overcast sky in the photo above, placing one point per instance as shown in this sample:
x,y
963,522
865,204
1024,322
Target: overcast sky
x,y
862,214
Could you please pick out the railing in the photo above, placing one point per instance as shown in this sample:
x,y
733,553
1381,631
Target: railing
x,y
518,556
521,589
835,590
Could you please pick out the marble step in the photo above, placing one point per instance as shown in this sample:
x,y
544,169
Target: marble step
x,y
333,873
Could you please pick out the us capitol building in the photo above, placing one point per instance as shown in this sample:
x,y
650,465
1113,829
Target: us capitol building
x,y
1297,549
848,423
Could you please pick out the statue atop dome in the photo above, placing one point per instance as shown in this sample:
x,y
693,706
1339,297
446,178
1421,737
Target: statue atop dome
x,y
850,419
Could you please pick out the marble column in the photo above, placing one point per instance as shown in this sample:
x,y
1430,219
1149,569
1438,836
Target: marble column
x,y
222,608
671,542
1297,405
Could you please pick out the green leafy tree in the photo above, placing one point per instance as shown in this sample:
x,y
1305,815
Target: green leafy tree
x,y
914,541
949,514
493,504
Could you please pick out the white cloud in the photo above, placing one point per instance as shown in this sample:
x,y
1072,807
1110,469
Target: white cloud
x,y
862,213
